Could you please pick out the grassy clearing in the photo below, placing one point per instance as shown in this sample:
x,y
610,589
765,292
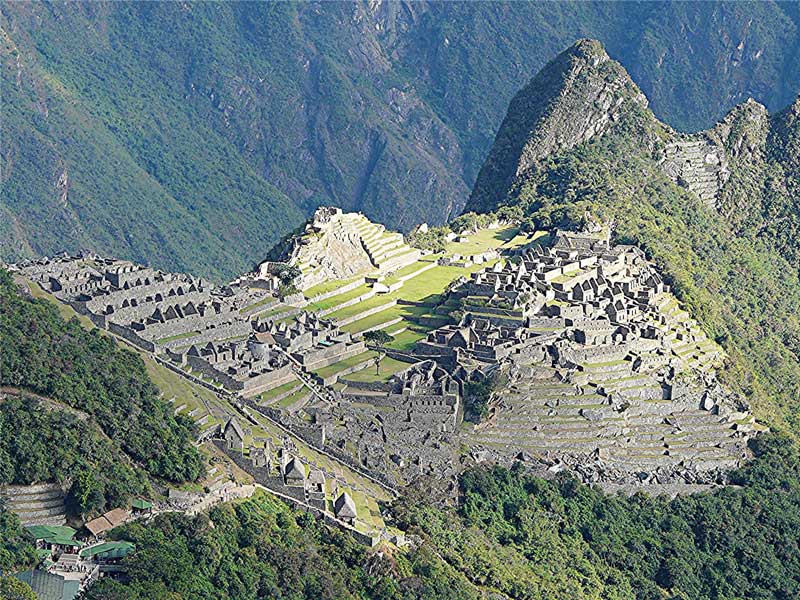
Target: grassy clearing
x,y
406,340
483,240
388,367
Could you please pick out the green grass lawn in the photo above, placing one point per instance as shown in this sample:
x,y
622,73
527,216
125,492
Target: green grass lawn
x,y
405,271
405,340
407,313
360,307
484,240
388,367
338,298
328,286
340,366
285,403
275,392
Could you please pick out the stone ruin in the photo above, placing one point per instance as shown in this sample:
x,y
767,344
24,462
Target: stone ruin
x,y
698,165
607,376
604,374
400,429
339,246
205,331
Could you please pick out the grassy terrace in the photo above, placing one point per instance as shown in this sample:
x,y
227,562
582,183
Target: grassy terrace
x,y
292,398
501,239
365,492
340,366
179,336
408,314
339,298
409,269
483,240
267,396
405,340
328,286
388,367
261,302
281,308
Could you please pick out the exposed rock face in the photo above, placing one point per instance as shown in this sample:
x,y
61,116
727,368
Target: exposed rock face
x,y
577,96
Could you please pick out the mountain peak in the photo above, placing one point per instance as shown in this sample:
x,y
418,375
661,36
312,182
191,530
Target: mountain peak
x,y
578,95
589,50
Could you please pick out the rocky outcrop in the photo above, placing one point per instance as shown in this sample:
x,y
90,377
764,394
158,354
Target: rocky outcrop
x,y
579,95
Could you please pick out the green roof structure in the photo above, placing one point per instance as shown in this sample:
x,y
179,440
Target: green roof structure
x,y
141,504
43,532
108,550
48,586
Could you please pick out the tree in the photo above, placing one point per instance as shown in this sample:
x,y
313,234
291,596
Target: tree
x,y
378,338
14,589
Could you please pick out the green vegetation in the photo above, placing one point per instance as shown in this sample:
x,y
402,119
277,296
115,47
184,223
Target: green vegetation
x,y
382,370
512,533
337,367
14,589
87,371
405,340
262,549
54,445
327,286
378,338
533,538
170,126
16,546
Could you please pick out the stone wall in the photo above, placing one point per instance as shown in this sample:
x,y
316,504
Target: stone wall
x,y
322,357
130,335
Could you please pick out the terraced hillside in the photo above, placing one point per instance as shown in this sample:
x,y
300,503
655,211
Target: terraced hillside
x,y
339,246
40,504
200,399
584,358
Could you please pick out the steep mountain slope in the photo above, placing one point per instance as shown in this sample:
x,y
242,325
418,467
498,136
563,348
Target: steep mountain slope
x,y
716,210
89,373
192,136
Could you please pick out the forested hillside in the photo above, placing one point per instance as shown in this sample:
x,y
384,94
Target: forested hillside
x,y
520,536
734,258
89,372
45,442
193,135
